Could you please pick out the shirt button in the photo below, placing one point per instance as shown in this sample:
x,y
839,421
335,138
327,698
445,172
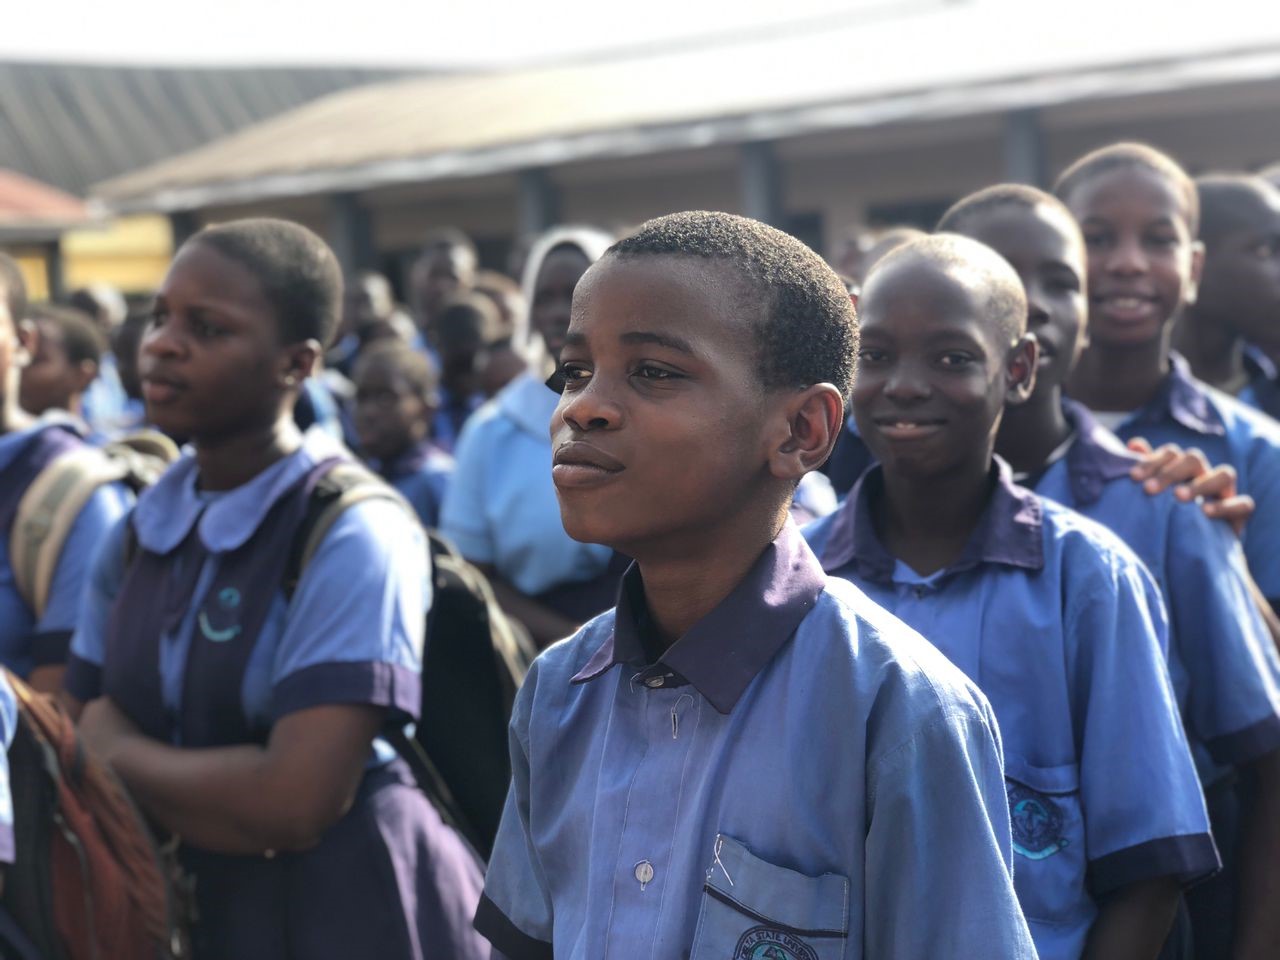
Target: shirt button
x,y
644,873
653,683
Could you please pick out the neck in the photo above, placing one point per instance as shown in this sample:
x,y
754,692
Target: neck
x,y
1030,432
229,462
926,521
684,582
12,417
1215,352
1120,378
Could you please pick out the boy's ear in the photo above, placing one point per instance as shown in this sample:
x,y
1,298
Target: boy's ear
x,y
1192,290
814,416
86,373
28,343
299,362
1020,365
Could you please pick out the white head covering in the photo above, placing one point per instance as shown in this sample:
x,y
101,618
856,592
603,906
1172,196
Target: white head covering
x,y
592,242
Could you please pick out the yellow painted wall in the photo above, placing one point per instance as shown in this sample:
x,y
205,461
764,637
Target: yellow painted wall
x,y
33,272
131,253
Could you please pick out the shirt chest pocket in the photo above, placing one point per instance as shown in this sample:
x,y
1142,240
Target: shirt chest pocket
x,y
1047,821
755,910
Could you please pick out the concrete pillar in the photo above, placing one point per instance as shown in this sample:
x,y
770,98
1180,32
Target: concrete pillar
x,y
539,202
53,272
1024,149
762,185
351,233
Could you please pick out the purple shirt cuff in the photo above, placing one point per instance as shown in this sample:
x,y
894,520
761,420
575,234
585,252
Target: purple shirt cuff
x,y
1189,858
50,649
83,679
513,942
373,682
1246,745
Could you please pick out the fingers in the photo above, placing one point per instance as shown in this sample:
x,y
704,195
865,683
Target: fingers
x,y
1220,483
1169,465
1234,510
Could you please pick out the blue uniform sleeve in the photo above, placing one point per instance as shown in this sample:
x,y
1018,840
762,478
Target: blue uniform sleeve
x,y
1262,536
52,634
1233,672
464,519
8,723
354,628
1144,813
515,912
83,679
948,893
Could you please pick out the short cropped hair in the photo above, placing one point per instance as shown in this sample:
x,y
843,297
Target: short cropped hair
x,y
1229,200
1132,155
994,198
82,339
297,271
404,359
973,264
15,288
448,238
806,330
467,313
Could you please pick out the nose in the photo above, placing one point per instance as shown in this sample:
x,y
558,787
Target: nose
x,y
162,342
1127,257
906,385
591,407
1037,312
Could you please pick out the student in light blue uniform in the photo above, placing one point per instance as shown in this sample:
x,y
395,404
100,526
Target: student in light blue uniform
x,y
743,759
8,724
240,696
1139,213
501,509
395,398
1050,614
1223,663
36,648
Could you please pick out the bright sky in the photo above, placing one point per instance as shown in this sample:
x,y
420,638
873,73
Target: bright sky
x,y
391,32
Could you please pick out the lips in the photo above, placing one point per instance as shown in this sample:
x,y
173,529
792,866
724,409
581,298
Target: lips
x,y
1127,307
160,389
907,428
577,463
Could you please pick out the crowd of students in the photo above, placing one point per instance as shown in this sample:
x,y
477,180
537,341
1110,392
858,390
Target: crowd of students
x,y
927,608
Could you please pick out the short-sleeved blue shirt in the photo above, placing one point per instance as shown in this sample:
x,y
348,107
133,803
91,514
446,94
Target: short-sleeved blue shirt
x,y
1190,413
8,724
501,507
1063,630
1224,666
1263,391
799,772
25,642
352,631
421,474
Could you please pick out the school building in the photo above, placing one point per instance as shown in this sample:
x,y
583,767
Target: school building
x,y
880,118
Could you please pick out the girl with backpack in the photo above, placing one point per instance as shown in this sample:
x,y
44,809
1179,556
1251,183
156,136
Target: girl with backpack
x,y
248,715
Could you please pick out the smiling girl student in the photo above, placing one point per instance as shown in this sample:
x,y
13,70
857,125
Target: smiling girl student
x,y
244,713
1224,667
1051,615
1139,213
743,759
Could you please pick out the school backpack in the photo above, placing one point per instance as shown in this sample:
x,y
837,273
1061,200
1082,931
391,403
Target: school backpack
x,y
474,662
87,882
49,507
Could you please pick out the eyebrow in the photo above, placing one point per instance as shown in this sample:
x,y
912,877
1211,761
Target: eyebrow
x,y
660,339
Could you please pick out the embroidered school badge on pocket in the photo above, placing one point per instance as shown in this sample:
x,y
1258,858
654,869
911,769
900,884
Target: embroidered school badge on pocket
x,y
769,943
1037,823
227,608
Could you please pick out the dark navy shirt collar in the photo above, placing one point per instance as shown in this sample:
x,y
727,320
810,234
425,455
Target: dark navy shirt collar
x,y
1184,399
1009,532
1258,365
410,462
1096,457
726,649
167,511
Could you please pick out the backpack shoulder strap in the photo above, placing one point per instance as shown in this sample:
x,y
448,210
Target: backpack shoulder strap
x,y
46,513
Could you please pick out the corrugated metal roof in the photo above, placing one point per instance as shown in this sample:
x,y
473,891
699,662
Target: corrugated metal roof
x,y
956,59
33,210
75,125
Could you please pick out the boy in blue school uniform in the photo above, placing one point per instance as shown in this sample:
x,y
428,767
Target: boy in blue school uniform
x,y
1224,667
743,759
35,648
1139,212
395,400
1233,326
1054,619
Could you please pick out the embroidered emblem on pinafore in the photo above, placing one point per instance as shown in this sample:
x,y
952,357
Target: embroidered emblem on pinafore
x,y
1036,821
218,619
770,943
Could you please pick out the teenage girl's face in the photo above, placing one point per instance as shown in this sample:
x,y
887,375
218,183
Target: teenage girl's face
x,y
1143,262
934,373
1241,283
439,274
50,380
1044,245
549,313
658,436
390,416
211,363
